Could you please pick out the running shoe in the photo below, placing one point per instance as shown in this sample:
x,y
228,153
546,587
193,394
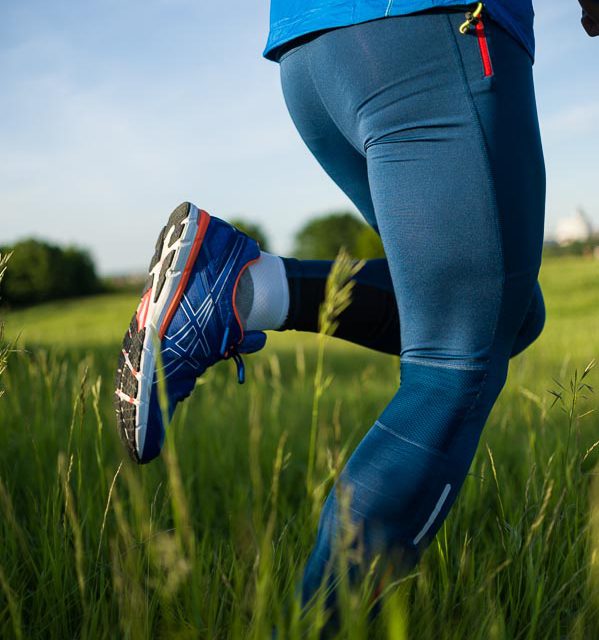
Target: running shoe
x,y
186,322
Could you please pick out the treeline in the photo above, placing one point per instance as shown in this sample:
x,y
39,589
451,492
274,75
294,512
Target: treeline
x,y
321,238
40,271
578,248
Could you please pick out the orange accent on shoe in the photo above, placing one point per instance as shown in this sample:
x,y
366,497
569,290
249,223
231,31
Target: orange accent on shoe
x,y
133,370
242,271
203,222
142,310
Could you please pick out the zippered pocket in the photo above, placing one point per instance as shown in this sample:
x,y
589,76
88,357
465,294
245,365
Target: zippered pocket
x,y
475,19
483,46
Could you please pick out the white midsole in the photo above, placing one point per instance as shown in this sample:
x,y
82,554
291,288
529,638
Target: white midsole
x,y
156,314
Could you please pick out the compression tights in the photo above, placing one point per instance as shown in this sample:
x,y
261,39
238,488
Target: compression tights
x,y
433,135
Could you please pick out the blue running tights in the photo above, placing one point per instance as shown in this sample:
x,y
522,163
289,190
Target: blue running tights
x,y
442,156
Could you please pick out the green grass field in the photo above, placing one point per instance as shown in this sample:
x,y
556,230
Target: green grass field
x,y
209,541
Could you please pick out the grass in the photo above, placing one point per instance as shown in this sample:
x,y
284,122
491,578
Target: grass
x,y
209,541
83,322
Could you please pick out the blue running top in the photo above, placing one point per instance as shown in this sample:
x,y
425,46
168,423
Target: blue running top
x,y
290,19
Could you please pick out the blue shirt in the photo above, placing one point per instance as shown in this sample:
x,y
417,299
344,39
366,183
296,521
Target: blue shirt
x,y
290,19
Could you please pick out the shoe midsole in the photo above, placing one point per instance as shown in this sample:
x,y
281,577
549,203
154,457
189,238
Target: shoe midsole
x,y
161,311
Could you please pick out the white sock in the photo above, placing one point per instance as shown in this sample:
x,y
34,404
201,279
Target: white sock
x,y
263,294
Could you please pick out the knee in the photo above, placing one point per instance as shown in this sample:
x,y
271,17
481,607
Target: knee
x,y
402,479
441,402
423,440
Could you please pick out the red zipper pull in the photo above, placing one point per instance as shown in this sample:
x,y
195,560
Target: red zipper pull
x,y
484,48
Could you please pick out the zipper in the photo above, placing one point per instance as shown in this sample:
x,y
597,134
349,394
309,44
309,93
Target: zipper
x,y
475,19
483,45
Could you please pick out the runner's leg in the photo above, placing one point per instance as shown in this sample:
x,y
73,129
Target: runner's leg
x,y
372,320
457,180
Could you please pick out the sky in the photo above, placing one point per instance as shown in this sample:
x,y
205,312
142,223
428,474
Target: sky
x,y
113,112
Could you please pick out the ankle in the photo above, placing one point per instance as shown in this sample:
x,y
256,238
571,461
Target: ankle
x,y
262,297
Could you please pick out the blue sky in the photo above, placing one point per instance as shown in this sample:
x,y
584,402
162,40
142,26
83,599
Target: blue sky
x,y
113,112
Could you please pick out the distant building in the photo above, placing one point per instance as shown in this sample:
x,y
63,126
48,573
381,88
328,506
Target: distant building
x,y
575,228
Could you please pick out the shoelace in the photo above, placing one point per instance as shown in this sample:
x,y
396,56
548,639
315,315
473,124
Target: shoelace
x,y
230,351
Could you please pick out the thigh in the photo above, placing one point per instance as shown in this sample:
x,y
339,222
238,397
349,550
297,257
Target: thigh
x,y
345,164
455,172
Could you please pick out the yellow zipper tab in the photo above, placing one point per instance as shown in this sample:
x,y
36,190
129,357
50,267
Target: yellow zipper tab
x,y
471,18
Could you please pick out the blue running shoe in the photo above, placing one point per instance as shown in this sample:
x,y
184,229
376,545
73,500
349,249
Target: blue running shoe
x,y
187,312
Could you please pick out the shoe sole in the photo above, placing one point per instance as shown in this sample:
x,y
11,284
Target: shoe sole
x,y
177,248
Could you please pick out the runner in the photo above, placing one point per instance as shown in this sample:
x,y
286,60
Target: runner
x,y
424,114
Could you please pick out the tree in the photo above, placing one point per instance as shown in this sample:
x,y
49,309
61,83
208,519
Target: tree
x,y
322,237
369,245
41,271
253,230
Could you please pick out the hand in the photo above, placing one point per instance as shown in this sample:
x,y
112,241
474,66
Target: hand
x,y
590,16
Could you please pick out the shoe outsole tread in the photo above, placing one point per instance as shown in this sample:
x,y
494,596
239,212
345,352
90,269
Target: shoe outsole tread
x,y
127,382
128,375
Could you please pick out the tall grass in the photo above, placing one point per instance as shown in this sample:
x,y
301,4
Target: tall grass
x,y
4,348
338,293
210,540
12,603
